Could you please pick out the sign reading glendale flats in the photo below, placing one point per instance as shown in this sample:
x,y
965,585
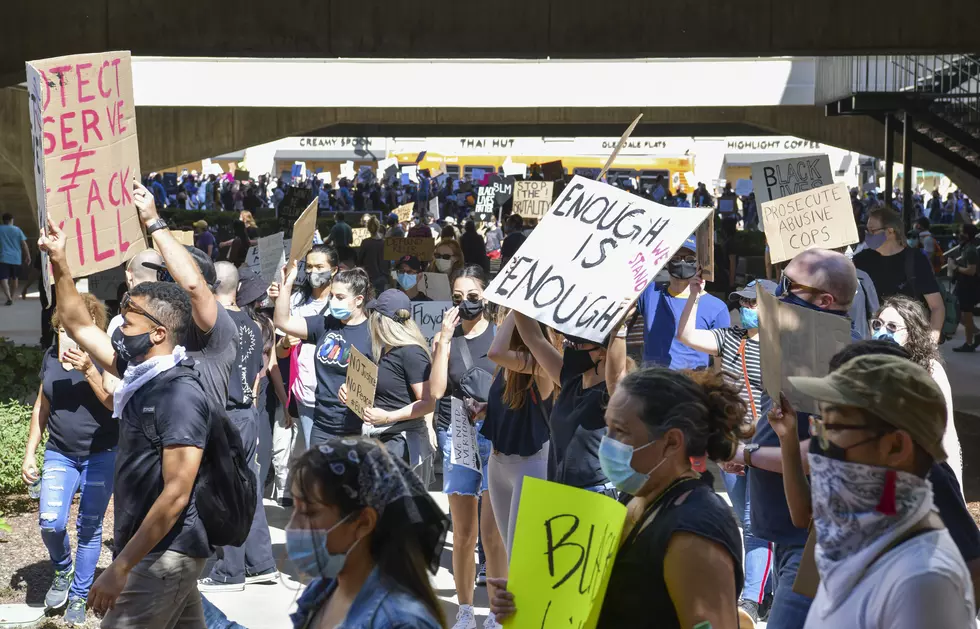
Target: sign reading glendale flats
x,y
819,218
590,256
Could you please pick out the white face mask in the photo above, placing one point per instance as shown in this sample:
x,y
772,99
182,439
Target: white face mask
x,y
443,266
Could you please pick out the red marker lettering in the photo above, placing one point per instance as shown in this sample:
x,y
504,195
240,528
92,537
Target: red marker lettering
x,y
119,117
112,200
78,238
111,115
65,130
50,141
115,64
123,244
105,94
99,255
60,73
94,194
82,98
90,122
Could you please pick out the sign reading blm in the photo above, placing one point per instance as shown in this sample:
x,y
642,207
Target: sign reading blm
x,y
590,257
816,218
783,177
83,132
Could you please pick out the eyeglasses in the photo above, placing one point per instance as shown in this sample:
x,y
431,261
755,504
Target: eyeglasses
x,y
746,303
891,326
127,305
442,256
786,284
819,428
687,259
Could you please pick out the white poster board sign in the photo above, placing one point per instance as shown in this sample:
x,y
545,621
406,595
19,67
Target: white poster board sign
x,y
464,449
820,218
783,177
435,286
590,257
743,187
272,256
428,316
434,207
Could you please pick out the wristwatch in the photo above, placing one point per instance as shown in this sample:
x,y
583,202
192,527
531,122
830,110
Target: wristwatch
x,y
156,225
747,453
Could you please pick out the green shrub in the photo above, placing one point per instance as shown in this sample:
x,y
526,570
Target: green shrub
x,y
15,420
19,367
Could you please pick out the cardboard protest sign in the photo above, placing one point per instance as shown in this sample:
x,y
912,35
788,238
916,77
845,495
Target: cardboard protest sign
x,y
486,203
565,544
428,316
362,381
815,218
784,177
532,199
184,237
503,188
404,212
553,171
242,175
421,248
619,147
434,207
412,172
797,341
435,286
590,257
360,234
462,434
105,284
83,132
743,187
705,237
292,205
272,256
302,240
347,170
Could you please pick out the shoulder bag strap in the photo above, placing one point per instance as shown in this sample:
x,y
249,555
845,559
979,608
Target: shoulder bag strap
x,y
464,352
745,375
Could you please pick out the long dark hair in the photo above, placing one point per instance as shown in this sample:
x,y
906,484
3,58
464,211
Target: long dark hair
x,y
359,283
919,342
518,384
264,323
477,274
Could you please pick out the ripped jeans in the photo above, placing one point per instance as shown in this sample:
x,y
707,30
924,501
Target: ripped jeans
x,y
63,476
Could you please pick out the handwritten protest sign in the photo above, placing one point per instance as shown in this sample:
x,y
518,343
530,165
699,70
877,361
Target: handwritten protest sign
x,y
796,341
512,168
422,248
105,284
83,132
272,256
619,147
362,380
815,218
292,205
486,202
303,229
404,212
592,254
435,286
360,234
784,177
462,433
428,316
565,544
532,199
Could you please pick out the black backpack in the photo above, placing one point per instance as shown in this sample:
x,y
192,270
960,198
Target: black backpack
x,y
226,491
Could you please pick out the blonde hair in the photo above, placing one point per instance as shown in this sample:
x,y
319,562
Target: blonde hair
x,y
247,218
387,334
96,310
457,252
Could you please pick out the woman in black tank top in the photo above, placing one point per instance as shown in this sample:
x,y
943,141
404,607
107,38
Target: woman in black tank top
x,y
680,563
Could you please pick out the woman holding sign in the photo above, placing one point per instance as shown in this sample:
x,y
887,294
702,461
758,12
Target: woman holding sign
x,y
332,334
680,562
461,368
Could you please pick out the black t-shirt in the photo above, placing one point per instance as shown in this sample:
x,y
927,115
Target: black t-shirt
x,y
179,409
248,361
577,427
948,498
521,431
420,296
511,244
333,340
637,595
889,273
78,423
214,354
398,370
479,348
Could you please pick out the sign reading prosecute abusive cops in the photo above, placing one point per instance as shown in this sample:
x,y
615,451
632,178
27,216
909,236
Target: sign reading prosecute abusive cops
x,y
594,252
820,218
83,131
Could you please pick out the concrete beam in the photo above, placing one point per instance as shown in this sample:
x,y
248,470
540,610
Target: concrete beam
x,y
507,29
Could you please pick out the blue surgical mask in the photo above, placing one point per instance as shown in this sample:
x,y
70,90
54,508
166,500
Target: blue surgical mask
x,y
339,310
407,280
750,317
614,459
875,240
307,549
882,334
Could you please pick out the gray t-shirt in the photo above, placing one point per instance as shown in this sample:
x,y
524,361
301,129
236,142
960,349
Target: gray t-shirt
x,y
214,353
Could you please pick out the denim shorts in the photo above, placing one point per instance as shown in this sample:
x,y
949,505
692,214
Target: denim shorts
x,y
457,479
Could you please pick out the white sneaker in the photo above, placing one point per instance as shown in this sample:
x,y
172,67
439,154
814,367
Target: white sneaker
x,y
465,618
491,622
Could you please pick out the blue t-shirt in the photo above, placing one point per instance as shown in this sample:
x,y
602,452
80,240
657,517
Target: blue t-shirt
x,y
10,250
206,239
333,340
662,314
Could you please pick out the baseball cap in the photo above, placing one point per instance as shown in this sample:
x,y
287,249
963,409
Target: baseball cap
x,y
691,243
204,263
390,302
201,223
750,289
896,390
412,262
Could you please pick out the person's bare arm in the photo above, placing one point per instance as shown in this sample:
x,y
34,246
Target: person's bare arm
x,y
687,333
441,344
39,422
290,324
81,362
783,420
616,362
25,250
547,357
180,264
937,313
71,308
500,351
424,404
770,458
700,595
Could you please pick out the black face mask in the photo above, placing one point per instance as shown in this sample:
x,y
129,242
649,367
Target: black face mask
x,y
469,310
834,451
578,361
131,348
682,270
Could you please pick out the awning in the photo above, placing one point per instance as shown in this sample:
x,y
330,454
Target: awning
x,y
747,159
313,155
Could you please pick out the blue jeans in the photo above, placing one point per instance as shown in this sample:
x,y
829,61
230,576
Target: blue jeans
x,y
63,475
758,556
214,618
789,609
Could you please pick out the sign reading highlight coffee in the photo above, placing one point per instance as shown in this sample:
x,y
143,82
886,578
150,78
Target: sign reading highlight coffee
x,y
592,254
820,218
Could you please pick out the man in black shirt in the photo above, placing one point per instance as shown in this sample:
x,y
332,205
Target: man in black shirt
x,y
160,543
253,561
896,269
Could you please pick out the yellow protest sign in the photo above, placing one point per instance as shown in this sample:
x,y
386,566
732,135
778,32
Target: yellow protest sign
x,y
184,237
360,234
404,212
303,230
362,380
565,543
422,248
821,217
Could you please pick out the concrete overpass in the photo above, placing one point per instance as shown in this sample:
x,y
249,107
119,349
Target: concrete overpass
x,y
502,29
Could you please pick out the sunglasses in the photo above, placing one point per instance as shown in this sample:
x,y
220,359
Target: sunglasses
x,y
786,284
442,256
128,305
891,326
687,259
473,299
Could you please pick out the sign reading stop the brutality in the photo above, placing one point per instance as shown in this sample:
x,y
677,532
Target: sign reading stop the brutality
x,y
83,127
